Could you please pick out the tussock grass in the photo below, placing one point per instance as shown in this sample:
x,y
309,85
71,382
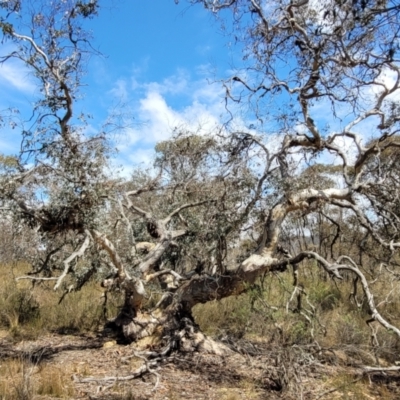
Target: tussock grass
x,y
228,394
270,312
52,381
28,309
348,387
267,312
22,380
15,380
230,315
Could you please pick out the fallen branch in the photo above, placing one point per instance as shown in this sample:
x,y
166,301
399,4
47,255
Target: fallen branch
x,y
36,278
368,369
138,373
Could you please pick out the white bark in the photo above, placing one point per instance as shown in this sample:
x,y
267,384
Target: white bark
x,y
67,263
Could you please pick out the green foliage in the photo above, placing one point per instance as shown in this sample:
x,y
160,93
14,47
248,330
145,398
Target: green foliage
x,y
295,332
89,9
8,164
211,191
185,145
324,295
262,314
6,28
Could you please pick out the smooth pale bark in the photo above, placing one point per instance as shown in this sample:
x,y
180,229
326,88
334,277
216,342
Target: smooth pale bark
x,y
204,288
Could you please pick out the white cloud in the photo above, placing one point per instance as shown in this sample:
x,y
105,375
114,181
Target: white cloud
x,y
124,165
183,102
15,75
387,81
203,50
144,157
120,90
178,102
157,120
176,84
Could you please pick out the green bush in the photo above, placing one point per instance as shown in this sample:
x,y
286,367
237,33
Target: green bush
x,y
231,315
324,295
351,330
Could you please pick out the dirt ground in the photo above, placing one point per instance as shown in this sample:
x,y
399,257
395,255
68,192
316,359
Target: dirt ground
x,y
255,372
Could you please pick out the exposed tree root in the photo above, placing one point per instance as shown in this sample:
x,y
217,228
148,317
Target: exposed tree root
x,y
187,339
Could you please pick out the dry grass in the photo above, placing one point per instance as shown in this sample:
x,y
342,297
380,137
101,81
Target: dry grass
x,y
264,313
22,380
53,382
28,310
346,387
228,315
229,394
335,321
15,380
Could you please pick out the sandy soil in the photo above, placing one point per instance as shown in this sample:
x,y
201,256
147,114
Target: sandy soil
x,y
258,372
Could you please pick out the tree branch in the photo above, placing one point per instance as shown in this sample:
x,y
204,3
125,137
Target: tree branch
x,y
76,254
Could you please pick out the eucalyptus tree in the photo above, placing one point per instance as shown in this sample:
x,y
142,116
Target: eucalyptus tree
x,y
86,222
319,84
56,185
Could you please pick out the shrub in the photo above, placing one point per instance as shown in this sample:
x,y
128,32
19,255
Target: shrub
x,y
17,307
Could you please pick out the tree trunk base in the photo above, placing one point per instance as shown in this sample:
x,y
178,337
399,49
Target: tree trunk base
x,y
163,332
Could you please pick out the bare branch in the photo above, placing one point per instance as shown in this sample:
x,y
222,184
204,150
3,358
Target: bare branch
x,y
36,278
151,277
369,369
166,220
145,368
110,249
76,254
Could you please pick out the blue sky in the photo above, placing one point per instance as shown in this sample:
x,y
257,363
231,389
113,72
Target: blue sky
x,y
159,61
158,67
158,35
